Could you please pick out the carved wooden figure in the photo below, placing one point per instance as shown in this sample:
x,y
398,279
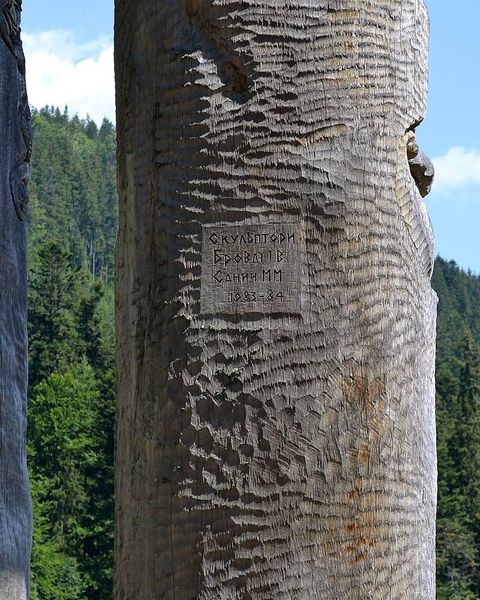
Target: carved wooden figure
x,y
275,320
15,149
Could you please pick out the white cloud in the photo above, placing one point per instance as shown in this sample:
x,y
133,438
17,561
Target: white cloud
x,y
62,73
457,168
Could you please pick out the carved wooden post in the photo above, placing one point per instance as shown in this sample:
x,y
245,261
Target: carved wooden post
x,y
275,433
15,148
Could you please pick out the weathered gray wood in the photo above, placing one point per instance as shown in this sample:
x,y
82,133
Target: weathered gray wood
x,y
269,450
15,148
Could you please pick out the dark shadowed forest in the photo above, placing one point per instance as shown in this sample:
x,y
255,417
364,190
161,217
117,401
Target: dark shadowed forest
x,y
458,432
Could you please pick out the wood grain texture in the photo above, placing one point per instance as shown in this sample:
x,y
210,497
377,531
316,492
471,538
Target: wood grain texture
x,y
15,510
285,454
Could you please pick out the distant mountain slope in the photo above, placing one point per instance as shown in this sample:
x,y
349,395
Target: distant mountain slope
x,y
73,194
458,432
73,222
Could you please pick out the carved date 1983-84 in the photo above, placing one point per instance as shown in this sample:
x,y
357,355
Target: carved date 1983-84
x,y
252,268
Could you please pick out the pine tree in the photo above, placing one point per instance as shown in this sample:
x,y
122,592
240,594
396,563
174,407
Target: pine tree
x,y
53,296
63,454
458,520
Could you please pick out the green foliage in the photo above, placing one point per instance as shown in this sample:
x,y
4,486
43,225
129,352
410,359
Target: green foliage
x,y
62,451
71,397
73,198
458,432
53,288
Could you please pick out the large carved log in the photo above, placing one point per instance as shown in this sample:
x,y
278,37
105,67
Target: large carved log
x,y
275,433
15,149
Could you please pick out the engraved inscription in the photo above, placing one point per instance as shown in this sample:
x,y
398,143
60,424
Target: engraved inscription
x,y
252,268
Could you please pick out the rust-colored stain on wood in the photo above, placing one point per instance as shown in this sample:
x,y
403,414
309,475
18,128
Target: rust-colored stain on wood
x,y
368,390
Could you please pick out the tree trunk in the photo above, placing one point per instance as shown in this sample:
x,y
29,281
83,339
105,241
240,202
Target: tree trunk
x,y
15,510
275,324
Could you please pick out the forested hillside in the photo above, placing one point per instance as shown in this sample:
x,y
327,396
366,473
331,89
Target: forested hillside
x,y
458,432
73,223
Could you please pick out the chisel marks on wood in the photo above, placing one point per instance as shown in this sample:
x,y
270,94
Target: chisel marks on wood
x,y
274,454
15,147
216,44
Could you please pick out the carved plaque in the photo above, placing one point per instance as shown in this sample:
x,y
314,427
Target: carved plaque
x,y
252,268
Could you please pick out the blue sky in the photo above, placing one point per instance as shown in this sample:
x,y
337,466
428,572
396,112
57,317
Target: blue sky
x,y
450,133
88,19
69,52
